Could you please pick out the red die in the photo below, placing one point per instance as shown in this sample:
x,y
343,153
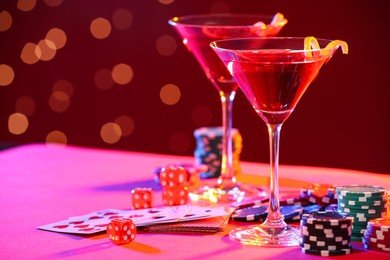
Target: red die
x,y
141,198
173,176
175,197
121,230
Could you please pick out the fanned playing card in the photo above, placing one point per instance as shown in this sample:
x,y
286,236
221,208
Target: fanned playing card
x,y
97,221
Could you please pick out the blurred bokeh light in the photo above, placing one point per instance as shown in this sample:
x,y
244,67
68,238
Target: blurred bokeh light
x,y
114,74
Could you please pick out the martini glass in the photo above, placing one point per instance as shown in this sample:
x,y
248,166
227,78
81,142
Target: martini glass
x,y
197,31
274,73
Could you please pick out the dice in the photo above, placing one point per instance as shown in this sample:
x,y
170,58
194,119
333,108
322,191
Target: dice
x,y
192,172
173,176
142,198
173,179
121,230
175,197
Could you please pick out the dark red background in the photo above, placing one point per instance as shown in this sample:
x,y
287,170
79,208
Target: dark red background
x,y
342,121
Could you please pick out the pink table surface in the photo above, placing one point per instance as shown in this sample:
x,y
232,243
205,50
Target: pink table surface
x,y
43,184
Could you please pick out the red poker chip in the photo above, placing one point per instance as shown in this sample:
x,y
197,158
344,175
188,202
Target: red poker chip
x,y
375,248
321,190
376,240
382,224
378,245
317,199
377,232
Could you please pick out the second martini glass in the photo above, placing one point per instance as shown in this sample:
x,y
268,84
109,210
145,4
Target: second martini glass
x,y
197,31
274,73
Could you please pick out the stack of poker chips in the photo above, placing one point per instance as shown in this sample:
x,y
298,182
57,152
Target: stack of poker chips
x,y
326,233
377,235
209,150
362,202
259,213
320,194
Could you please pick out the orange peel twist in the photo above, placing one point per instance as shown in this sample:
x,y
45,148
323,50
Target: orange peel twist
x,y
337,43
278,20
311,43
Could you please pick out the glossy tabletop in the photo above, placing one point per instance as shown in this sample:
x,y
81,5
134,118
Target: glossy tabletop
x,y
43,184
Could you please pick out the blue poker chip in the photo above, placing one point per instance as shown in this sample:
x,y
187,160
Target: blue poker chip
x,y
292,212
255,213
311,208
331,207
260,213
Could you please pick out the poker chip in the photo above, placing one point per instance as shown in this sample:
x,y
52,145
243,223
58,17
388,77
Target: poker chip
x,y
321,226
327,238
365,206
356,239
325,247
361,199
359,233
377,234
327,217
364,203
293,199
250,202
320,230
311,208
381,201
344,251
378,247
292,212
255,213
209,150
360,191
365,212
334,240
260,213
326,233
382,224
331,207
321,190
318,194
374,238
377,244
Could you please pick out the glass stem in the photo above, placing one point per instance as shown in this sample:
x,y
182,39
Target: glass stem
x,y
275,218
227,179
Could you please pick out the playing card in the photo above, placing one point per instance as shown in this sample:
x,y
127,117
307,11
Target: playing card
x,y
77,226
87,224
97,221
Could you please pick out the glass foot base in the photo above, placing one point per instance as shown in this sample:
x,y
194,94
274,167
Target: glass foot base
x,y
260,236
215,194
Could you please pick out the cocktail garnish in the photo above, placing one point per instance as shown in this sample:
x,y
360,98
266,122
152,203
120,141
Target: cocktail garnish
x,y
278,20
312,44
262,29
338,43
260,24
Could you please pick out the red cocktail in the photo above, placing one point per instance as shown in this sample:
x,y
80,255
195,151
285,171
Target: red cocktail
x,y
197,31
274,73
